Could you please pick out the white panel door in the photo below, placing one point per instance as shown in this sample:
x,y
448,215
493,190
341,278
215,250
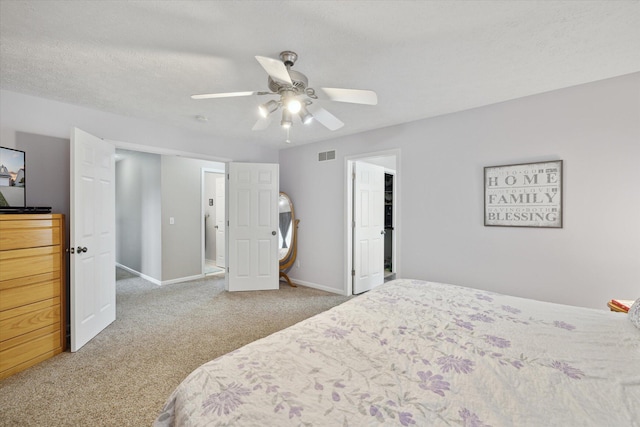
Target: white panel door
x,y
252,227
368,232
92,232
220,221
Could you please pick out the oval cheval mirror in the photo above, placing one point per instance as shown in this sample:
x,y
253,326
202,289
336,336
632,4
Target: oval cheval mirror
x,y
288,236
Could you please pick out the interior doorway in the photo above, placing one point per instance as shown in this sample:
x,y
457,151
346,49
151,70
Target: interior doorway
x,y
388,161
213,207
164,243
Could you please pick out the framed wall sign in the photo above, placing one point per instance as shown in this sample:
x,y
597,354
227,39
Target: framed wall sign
x,y
523,195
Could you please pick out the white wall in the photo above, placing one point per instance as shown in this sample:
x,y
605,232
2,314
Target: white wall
x,y
138,213
594,128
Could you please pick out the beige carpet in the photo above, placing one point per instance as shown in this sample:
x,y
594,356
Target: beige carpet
x,y
124,375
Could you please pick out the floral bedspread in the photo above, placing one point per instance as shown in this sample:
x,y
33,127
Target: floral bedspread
x,y
422,353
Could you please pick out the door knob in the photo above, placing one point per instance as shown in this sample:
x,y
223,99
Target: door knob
x,y
81,249
273,233
382,232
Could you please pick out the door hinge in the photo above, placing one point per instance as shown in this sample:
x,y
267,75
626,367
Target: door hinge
x,y
227,223
353,224
353,273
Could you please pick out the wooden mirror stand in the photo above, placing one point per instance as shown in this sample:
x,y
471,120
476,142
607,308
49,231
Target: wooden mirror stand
x,y
289,257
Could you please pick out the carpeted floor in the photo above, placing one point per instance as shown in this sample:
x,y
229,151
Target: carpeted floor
x,y
124,375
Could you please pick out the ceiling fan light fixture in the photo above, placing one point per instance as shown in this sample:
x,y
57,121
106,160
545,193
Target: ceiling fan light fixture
x,y
294,106
286,119
305,115
268,108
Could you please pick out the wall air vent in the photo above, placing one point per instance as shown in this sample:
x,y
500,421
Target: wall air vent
x,y
327,155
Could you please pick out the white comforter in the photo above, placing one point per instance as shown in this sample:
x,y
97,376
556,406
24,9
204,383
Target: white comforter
x,y
419,353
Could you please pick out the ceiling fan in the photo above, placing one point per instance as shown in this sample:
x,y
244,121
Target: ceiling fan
x,y
295,97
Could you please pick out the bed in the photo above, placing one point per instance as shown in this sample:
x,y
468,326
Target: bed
x,y
422,353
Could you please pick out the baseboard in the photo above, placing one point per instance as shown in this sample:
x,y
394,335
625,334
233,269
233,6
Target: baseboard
x,y
137,273
317,286
182,279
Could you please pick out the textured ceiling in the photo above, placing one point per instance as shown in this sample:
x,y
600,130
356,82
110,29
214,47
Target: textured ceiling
x,y
145,58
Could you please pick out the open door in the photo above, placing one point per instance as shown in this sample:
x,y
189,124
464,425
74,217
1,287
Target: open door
x,y
368,231
92,237
220,222
252,226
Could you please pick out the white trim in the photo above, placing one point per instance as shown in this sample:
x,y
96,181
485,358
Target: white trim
x,y
182,279
317,286
137,273
348,234
158,282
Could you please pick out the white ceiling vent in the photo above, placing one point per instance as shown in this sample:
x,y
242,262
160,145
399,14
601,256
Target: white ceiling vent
x,y
327,155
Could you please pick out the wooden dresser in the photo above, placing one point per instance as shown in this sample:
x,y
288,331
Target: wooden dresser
x,y
32,290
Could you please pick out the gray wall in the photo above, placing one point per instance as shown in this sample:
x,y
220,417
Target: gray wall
x,y
594,128
47,171
181,199
138,213
151,189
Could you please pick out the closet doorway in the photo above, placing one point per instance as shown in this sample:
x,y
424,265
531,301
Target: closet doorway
x,y
372,226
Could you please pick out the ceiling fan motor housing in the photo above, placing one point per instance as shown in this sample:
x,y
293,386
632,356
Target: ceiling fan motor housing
x,y
300,83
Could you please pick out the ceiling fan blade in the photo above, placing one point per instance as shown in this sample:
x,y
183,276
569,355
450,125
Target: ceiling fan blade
x,y
262,123
221,95
275,68
354,96
325,118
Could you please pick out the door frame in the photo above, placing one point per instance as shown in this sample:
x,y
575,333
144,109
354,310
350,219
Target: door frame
x,y
348,220
203,208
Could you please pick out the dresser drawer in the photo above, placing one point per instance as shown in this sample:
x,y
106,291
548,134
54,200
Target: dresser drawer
x,y
30,321
28,262
20,238
24,295
14,221
46,345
